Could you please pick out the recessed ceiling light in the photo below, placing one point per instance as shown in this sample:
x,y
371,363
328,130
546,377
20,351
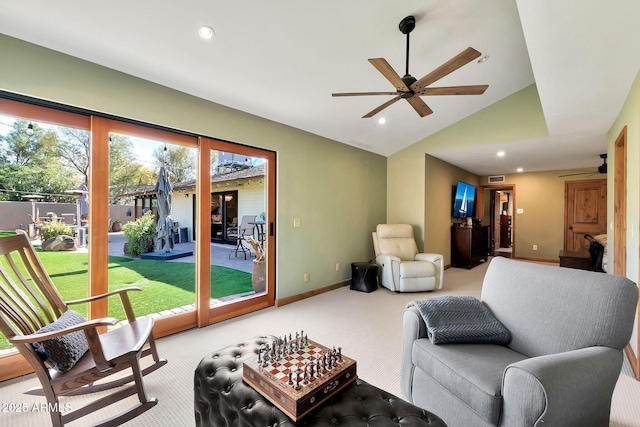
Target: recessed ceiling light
x,y
500,153
206,32
382,120
519,169
483,59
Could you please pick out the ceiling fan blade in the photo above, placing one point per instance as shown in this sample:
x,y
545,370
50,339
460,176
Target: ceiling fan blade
x,y
380,108
363,93
419,105
453,90
389,73
463,58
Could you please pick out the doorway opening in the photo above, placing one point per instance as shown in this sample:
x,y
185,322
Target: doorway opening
x,y
224,216
498,215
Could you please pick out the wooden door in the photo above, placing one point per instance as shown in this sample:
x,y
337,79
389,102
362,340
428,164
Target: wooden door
x,y
620,205
585,212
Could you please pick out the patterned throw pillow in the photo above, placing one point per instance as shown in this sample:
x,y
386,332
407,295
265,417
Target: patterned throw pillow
x,y
461,319
63,352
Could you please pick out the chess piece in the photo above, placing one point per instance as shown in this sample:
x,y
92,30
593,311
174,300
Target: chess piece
x,y
290,377
340,354
260,354
298,387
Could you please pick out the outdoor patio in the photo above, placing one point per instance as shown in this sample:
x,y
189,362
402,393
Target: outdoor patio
x,y
219,253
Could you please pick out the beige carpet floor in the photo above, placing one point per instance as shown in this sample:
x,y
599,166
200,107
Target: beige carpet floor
x,y
367,326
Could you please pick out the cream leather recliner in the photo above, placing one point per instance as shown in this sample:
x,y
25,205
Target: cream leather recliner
x,y
402,268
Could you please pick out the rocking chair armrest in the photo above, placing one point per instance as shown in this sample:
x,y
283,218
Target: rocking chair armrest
x,y
88,325
124,298
105,295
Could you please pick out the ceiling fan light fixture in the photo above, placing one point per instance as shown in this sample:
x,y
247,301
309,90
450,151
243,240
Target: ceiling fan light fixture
x,y
500,153
411,89
519,170
206,32
382,120
483,59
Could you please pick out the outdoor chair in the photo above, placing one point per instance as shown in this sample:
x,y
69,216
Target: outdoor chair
x,y
240,234
67,353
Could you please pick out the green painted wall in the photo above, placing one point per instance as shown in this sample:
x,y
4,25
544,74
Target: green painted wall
x,y
630,117
338,192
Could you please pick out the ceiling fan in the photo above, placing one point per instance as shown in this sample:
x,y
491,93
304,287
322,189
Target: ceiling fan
x,y
411,89
601,169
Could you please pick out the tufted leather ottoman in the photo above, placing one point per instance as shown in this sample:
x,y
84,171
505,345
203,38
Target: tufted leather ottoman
x,y
223,399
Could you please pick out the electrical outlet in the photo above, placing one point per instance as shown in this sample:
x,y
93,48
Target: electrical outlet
x,y
535,247
337,266
296,222
305,277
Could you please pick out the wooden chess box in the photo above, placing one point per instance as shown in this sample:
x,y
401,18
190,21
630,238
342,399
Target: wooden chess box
x,y
272,380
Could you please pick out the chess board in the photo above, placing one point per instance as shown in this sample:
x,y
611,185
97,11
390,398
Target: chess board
x,y
300,394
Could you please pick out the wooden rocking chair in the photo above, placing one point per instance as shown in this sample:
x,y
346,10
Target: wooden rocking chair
x,y
29,301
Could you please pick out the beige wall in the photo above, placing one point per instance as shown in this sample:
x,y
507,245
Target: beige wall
x,y
630,117
517,117
338,191
440,177
540,195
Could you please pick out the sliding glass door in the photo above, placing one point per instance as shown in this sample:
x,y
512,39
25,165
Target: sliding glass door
x,y
230,267
241,208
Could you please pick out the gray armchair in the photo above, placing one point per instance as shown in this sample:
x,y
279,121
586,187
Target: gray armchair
x,y
568,331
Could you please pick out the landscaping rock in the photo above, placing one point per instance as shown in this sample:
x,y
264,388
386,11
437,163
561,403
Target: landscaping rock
x,y
59,243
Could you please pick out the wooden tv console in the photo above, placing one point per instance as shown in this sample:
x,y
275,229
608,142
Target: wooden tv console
x,y
469,245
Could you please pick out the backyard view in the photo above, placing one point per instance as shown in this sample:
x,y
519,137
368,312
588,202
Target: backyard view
x,y
48,167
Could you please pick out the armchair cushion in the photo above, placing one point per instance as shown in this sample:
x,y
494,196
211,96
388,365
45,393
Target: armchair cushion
x,y
412,269
62,353
471,372
460,319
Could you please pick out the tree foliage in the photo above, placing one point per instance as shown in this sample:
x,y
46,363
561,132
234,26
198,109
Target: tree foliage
x,y
179,161
24,148
73,149
51,161
125,172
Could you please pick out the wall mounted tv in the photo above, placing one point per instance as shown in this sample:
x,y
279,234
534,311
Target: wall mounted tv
x,y
464,200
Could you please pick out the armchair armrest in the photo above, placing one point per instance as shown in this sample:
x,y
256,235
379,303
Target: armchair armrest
x,y
124,298
435,258
390,265
571,388
438,260
414,329
384,260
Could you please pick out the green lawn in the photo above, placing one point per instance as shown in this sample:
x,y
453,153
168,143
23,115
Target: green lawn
x,y
165,284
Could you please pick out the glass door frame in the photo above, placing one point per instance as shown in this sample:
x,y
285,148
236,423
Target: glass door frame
x,y
208,314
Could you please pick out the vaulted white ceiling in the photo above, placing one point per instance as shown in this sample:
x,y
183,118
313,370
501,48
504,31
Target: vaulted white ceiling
x,y
282,59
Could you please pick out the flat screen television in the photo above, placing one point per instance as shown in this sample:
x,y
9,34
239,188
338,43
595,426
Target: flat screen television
x,y
464,200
